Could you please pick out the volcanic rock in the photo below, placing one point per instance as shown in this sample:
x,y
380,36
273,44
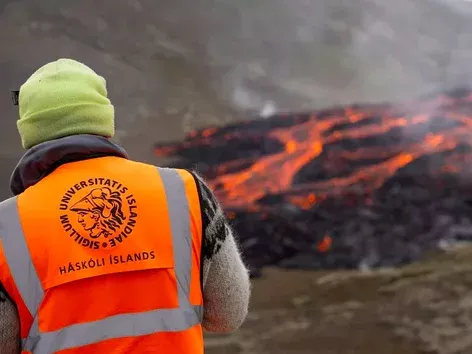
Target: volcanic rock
x,y
383,183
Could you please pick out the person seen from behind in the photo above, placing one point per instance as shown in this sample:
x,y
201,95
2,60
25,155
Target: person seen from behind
x,y
100,253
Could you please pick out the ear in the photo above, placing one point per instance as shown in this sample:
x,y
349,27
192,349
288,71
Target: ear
x,y
95,216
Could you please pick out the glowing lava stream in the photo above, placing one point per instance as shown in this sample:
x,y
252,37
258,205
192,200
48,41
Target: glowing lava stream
x,y
243,188
242,182
276,172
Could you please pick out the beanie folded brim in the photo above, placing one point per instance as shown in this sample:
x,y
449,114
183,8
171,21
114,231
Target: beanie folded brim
x,y
64,121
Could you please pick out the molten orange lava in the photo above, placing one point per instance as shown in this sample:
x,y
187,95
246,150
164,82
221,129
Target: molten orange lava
x,y
325,244
274,174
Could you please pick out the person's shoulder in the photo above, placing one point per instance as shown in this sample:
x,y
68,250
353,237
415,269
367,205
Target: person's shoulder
x,y
215,226
8,203
147,165
138,166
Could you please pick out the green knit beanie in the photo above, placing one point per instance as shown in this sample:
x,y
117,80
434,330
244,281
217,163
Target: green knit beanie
x,y
64,98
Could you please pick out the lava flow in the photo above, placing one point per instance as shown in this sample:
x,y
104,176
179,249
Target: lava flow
x,y
349,141
306,161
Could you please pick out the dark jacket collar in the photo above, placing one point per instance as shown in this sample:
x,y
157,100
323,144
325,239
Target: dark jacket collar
x,y
44,158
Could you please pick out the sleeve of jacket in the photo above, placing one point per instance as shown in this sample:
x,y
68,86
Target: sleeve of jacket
x,y
9,325
225,278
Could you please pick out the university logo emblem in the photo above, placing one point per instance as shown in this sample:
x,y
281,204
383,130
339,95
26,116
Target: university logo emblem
x,y
98,213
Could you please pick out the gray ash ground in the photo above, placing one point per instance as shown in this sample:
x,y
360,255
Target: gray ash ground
x,y
390,182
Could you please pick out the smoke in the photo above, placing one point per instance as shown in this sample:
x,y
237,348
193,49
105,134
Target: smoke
x,y
297,55
278,55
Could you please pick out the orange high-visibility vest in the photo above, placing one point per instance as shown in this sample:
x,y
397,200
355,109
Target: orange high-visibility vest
x,y
103,256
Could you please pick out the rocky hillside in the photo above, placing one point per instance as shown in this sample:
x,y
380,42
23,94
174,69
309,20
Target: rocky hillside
x,y
172,66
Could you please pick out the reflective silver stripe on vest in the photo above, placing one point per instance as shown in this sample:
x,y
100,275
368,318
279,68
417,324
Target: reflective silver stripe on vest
x,y
125,325
18,257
